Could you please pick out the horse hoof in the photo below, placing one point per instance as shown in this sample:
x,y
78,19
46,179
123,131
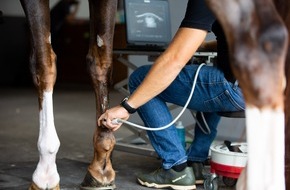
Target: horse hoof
x,y
33,186
90,183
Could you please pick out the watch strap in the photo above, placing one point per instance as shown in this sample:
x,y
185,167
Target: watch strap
x,y
125,105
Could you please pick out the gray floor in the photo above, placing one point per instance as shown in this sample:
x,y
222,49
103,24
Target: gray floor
x,y
74,108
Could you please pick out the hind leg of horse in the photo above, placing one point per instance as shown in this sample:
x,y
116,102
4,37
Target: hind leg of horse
x,y
257,39
43,68
99,59
283,7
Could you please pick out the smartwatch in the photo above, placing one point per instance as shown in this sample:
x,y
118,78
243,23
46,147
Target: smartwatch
x,y
125,105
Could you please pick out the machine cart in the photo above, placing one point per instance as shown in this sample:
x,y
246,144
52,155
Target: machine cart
x,y
227,160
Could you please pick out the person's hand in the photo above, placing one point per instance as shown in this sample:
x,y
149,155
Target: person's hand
x,y
116,112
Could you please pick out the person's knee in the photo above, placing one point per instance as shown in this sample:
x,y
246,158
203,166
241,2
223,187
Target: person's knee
x,y
137,77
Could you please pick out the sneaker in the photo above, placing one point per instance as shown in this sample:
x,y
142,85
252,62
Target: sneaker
x,y
162,178
198,170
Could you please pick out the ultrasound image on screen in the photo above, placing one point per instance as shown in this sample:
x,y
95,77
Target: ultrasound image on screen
x,y
148,22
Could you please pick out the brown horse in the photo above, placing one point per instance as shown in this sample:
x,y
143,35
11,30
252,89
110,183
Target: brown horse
x,y
257,38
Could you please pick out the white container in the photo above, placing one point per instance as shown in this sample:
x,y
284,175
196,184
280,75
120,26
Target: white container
x,y
220,154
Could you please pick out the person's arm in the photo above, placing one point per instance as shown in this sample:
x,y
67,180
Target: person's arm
x,y
168,65
163,72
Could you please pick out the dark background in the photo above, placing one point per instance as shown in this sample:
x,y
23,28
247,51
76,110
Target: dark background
x,y
70,45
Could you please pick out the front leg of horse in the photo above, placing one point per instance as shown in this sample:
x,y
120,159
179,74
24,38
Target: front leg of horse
x,y
43,68
257,39
100,173
46,175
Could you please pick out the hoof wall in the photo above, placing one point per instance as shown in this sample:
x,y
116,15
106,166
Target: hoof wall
x,y
90,183
33,186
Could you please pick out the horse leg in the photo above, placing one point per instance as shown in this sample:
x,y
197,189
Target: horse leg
x,y
257,39
283,7
287,119
43,68
99,59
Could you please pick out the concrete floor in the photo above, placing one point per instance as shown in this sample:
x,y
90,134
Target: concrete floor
x,y
74,108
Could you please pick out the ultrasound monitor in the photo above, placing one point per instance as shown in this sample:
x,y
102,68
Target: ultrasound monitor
x,y
147,22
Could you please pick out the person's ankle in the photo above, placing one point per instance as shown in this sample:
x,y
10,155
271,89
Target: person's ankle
x,y
189,162
179,167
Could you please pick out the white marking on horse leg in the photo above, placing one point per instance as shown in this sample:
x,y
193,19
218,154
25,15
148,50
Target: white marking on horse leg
x,y
49,39
46,175
265,136
100,41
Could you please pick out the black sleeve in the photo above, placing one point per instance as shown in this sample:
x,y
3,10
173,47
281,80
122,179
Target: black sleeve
x,y
198,16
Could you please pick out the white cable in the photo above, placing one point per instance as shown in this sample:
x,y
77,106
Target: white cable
x,y
200,126
205,123
117,120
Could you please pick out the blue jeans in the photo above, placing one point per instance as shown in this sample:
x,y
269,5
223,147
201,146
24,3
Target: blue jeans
x,y
213,93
